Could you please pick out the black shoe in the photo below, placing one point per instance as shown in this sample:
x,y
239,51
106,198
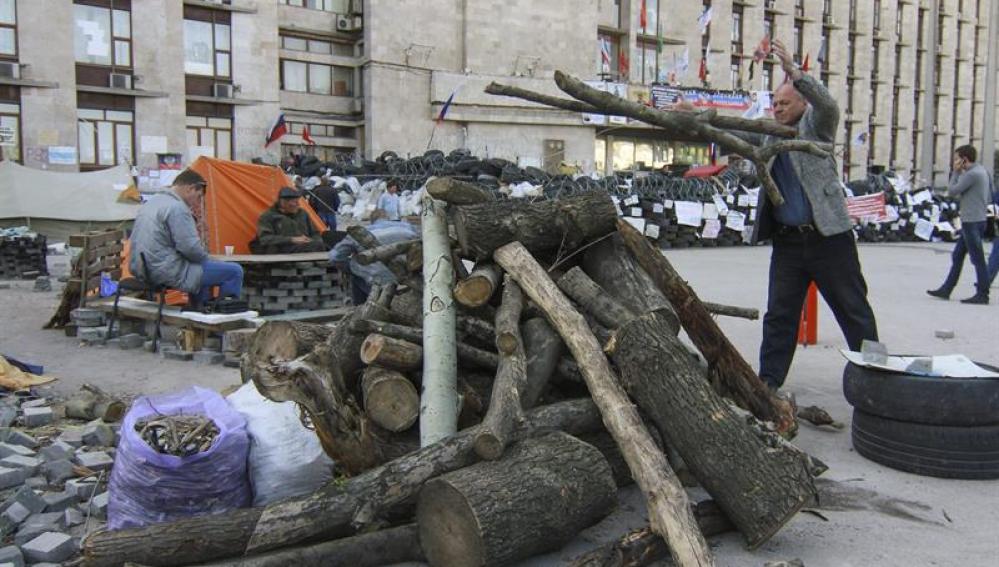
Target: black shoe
x,y
941,293
977,299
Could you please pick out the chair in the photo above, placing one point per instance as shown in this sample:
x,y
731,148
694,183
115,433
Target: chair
x,y
134,284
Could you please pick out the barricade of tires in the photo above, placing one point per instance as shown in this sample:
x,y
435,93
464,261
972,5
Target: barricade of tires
x,y
930,426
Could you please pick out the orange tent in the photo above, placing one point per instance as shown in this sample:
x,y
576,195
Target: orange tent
x,y
237,194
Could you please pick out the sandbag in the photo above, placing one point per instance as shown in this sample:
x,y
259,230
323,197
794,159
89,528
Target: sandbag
x,y
148,487
286,459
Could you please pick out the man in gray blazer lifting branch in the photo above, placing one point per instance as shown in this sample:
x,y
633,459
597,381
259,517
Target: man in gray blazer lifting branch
x,y
811,232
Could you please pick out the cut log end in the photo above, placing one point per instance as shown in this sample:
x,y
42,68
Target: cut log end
x,y
452,515
473,292
506,343
391,353
489,445
390,399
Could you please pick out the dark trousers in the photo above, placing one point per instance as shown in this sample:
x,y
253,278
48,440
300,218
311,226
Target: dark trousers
x,y
329,219
832,263
970,244
359,290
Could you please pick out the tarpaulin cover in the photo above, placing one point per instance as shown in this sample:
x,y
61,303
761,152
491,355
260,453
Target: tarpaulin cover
x,y
704,171
92,196
237,194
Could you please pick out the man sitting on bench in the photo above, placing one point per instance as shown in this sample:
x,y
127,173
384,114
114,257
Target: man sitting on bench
x,y
286,229
167,247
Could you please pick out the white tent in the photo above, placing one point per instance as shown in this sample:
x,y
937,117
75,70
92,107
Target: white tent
x,y
58,204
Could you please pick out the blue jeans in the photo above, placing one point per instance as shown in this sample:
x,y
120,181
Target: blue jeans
x,y
227,275
993,263
329,219
970,244
832,263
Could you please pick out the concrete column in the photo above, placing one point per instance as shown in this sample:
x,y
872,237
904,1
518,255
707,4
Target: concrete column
x,y
928,148
255,45
987,154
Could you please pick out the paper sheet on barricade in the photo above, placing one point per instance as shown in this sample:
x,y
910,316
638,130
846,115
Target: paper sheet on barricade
x,y
944,366
689,213
735,220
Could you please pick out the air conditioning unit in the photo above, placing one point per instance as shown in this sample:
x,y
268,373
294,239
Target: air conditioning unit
x,y
344,23
356,6
222,90
120,81
9,70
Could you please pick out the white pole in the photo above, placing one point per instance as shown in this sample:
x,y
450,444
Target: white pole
x,y
439,402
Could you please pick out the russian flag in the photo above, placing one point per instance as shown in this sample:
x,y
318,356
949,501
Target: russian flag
x,y
445,108
279,129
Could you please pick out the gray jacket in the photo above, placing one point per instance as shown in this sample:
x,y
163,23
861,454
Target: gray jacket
x,y
819,176
973,188
165,233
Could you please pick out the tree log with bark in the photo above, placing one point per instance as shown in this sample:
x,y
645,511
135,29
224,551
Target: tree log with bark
x,y
336,510
390,399
478,287
542,227
543,348
759,487
384,252
669,510
456,192
731,373
536,499
396,354
505,411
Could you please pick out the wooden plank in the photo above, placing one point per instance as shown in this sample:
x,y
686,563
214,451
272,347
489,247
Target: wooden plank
x,y
106,250
132,308
317,316
95,238
93,282
272,258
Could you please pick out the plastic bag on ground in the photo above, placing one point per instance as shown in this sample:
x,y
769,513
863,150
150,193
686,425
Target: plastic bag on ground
x,y
286,459
148,487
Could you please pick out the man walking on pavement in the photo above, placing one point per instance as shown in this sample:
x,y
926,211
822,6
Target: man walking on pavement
x,y
970,183
389,201
812,233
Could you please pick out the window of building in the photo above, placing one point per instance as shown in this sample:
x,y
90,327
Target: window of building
x,y
735,73
877,16
799,45
10,129
650,61
8,28
651,15
607,64
768,76
876,59
899,17
737,29
853,14
768,26
210,132
316,78
207,43
898,63
827,10
322,47
630,153
799,8
102,36
106,137
338,6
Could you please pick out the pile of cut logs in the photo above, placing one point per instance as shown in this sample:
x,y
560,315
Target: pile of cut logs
x,y
483,416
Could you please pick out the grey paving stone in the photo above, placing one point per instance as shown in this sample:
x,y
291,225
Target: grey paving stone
x,y
29,464
18,437
99,506
177,354
59,501
27,498
131,341
72,517
98,435
37,417
11,555
12,476
16,513
93,460
9,449
56,452
7,415
208,357
50,546
83,488
36,403
72,437
36,482
58,471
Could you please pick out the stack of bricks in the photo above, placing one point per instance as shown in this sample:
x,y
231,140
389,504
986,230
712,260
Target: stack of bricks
x,y
272,289
23,256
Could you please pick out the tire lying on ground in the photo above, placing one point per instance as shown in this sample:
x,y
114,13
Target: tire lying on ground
x,y
929,450
923,399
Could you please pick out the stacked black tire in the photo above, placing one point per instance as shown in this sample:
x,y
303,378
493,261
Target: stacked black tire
x,y
931,426
23,256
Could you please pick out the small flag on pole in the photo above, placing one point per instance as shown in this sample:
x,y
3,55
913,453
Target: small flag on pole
x,y
704,20
759,54
605,54
702,71
306,137
622,63
279,129
805,65
446,107
643,18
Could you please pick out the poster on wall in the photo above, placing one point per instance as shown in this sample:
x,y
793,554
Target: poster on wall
x,y
665,96
169,161
62,155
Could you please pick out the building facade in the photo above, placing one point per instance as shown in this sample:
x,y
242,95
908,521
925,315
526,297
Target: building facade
x,y
87,84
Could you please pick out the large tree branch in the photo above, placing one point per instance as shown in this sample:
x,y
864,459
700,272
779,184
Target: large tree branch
x,y
768,127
